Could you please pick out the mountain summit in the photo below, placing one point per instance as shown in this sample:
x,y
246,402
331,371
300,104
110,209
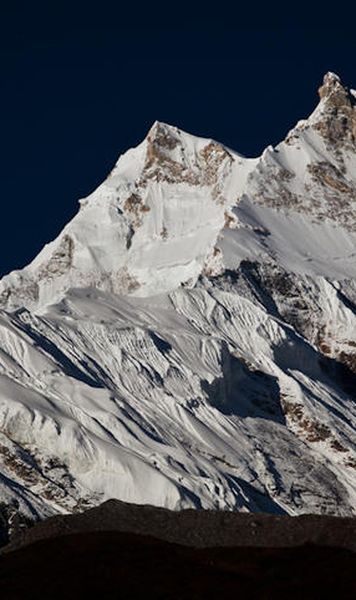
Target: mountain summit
x,y
188,340
150,227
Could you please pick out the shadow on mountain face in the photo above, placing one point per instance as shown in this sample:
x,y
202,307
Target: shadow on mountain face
x,y
257,282
340,372
244,391
259,502
86,375
297,354
161,344
124,565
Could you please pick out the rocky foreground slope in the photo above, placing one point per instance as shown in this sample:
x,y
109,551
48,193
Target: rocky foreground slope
x,y
139,566
156,553
189,339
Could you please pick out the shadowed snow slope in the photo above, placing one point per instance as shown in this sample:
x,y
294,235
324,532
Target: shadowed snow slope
x,y
189,339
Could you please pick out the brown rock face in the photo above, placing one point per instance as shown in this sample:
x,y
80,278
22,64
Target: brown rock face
x,y
338,122
332,86
166,160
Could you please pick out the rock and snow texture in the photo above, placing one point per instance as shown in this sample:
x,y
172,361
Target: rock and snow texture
x,y
150,227
189,339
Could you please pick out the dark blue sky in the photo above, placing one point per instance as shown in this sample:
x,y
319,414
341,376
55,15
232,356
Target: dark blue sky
x,y
79,86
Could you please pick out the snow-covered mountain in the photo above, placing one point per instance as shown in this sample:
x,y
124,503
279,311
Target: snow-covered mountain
x,y
150,227
189,339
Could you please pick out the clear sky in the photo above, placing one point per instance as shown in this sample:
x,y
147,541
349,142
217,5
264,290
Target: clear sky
x,y
81,85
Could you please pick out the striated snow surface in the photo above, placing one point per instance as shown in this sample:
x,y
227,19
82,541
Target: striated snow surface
x,y
189,339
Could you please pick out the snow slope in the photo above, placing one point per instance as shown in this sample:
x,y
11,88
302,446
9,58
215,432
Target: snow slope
x,y
151,226
189,338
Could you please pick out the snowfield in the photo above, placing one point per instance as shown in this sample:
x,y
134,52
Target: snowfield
x,y
189,339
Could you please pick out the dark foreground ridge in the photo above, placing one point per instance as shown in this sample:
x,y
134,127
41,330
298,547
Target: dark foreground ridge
x,y
120,550
197,528
124,566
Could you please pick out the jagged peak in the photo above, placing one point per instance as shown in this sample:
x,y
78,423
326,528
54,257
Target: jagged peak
x,y
177,156
160,127
334,118
172,188
330,79
168,137
159,144
335,100
162,138
333,91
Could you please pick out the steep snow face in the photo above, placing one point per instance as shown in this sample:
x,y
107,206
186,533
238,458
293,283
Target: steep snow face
x,y
299,204
150,227
297,220
313,172
202,399
189,338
